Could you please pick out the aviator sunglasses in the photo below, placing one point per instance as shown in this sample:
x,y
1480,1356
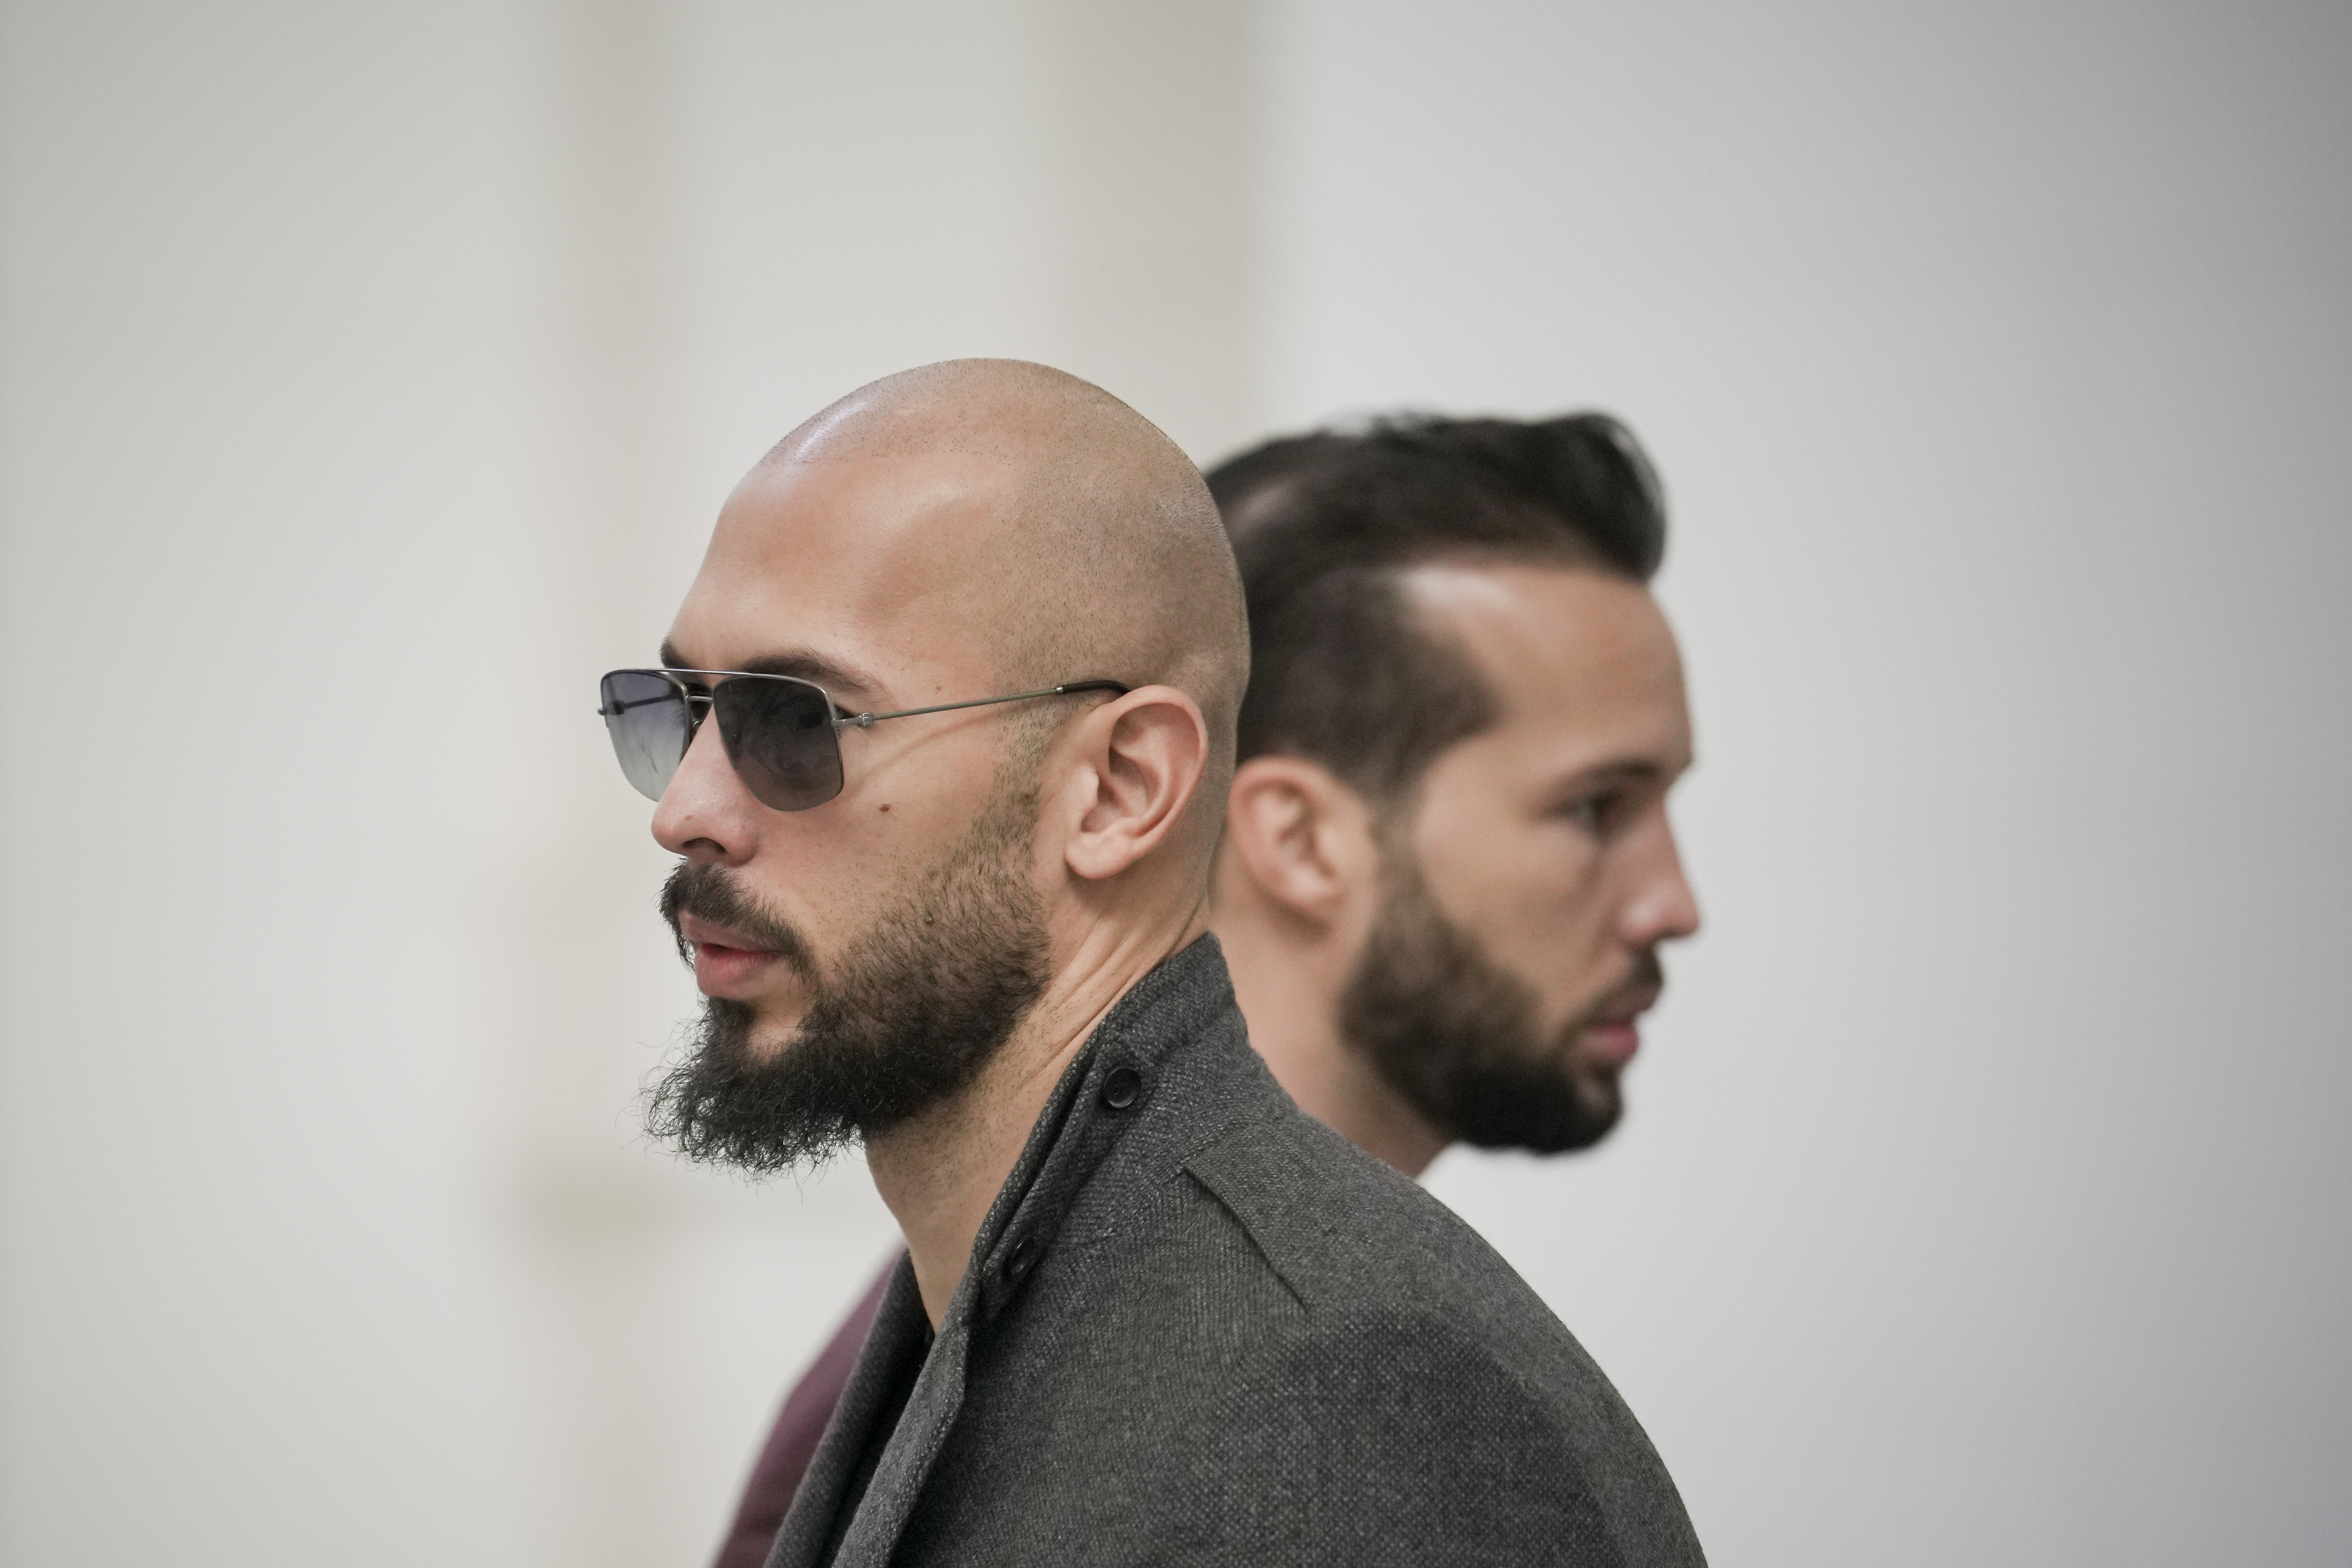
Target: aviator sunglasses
x,y
782,733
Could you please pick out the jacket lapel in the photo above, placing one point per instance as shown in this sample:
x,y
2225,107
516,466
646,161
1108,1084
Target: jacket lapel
x,y
898,1331
1175,1002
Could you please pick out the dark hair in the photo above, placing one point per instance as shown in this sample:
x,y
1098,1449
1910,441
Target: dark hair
x,y
1323,523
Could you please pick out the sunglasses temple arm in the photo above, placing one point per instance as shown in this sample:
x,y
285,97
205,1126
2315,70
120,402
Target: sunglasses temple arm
x,y
862,719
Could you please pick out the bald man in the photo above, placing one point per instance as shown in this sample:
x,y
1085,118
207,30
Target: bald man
x,y
973,641
1447,869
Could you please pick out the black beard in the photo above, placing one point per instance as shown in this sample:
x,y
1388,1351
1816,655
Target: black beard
x,y
1456,1036
916,1006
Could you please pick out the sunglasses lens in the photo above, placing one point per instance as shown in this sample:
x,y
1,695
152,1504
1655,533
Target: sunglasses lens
x,y
646,717
780,738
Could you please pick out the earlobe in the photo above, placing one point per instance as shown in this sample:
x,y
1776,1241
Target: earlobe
x,y
1148,751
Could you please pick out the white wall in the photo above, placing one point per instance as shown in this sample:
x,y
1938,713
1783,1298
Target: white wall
x,y
382,367
368,379
260,400
1985,1195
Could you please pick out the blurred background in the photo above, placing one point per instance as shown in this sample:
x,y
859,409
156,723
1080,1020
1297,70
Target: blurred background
x,y
370,376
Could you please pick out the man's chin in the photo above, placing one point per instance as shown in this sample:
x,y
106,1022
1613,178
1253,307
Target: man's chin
x,y
755,1037
1602,1100
1555,1105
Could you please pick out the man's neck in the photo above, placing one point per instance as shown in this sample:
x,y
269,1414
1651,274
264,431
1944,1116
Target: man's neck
x,y
1290,993
941,1171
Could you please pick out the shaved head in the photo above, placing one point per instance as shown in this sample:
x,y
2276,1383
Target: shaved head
x,y
1085,542
926,549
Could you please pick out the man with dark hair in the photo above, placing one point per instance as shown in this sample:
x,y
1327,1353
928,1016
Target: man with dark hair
x,y
1450,643
1447,866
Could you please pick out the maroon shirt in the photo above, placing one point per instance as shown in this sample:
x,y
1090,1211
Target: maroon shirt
x,y
793,1444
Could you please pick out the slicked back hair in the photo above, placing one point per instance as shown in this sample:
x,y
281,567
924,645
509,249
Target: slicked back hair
x,y
1343,672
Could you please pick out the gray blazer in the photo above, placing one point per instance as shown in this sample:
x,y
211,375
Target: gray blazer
x,y
1200,1327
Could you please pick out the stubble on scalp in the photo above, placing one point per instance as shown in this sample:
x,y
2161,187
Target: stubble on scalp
x,y
1117,564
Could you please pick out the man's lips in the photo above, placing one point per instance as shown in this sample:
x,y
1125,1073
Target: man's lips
x,y
1615,1034
726,963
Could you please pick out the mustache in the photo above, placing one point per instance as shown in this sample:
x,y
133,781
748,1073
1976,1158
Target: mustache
x,y
712,893
1649,973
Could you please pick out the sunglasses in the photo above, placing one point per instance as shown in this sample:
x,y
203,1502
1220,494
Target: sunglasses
x,y
782,733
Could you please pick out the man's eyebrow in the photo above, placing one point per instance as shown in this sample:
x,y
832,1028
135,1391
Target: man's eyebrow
x,y
830,673
826,672
1624,771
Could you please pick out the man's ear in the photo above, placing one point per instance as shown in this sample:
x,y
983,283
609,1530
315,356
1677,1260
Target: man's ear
x,y
1305,841
1142,762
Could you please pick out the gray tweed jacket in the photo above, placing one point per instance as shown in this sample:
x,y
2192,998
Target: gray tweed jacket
x,y
1200,1327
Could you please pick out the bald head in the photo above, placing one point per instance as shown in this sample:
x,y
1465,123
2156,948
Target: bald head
x,y
1019,515
1089,544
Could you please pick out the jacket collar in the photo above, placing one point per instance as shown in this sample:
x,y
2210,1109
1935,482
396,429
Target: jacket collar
x,y
1138,1058
1101,1097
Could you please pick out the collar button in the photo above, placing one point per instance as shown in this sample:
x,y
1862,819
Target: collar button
x,y
1122,1087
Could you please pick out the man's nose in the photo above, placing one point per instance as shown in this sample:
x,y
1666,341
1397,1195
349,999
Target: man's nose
x,y
706,813
1663,909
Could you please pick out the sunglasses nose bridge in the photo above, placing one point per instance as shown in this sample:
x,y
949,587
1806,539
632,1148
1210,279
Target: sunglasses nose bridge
x,y
698,708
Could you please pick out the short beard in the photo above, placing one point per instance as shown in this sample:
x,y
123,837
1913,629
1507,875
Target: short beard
x,y
1457,1036
917,1003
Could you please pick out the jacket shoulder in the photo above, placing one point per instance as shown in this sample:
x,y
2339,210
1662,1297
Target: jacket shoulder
x,y
1344,1229
1371,1257
1459,1383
